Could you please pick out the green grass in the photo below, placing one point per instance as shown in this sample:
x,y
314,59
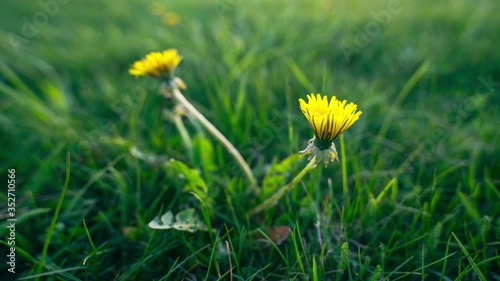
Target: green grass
x,y
414,197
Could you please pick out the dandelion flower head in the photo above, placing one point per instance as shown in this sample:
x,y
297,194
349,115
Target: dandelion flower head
x,y
157,64
328,120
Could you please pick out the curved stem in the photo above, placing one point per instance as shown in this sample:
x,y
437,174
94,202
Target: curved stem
x,y
273,199
215,133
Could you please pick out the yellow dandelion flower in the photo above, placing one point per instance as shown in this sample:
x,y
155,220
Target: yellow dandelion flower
x,y
157,64
328,120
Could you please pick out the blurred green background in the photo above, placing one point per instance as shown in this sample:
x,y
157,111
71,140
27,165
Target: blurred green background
x,y
421,163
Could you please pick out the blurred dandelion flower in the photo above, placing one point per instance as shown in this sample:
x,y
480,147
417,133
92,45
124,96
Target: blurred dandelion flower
x,y
171,18
157,8
328,120
157,64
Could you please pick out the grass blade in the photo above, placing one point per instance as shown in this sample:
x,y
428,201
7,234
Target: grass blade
x,y
470,259
54,218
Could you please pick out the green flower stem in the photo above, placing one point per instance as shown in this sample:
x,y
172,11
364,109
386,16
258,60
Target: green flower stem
x,y
215,133
273,199
344,166
186,139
